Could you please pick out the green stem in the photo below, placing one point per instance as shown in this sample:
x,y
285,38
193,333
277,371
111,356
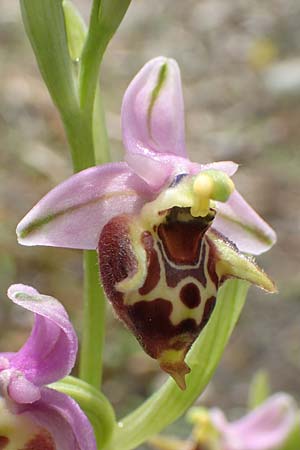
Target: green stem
x,y
80,140
101,141
169,402
90,61
92,341
82,149
105,19
95,149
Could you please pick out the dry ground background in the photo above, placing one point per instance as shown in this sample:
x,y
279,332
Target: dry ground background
x,y
240,62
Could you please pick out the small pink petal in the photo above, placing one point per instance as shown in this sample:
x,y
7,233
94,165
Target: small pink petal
x,y
228,167
152,110
50,351
4,361
158,170
74,212
21,390
64,420
242,225
265,428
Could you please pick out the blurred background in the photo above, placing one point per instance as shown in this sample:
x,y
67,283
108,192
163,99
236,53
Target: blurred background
x,y
240,64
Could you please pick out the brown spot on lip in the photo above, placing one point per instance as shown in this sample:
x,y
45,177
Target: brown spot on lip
x,y
190,295
181,241
208,310
3,442
154,329
211,263
117,260
41,441
153,266
182,234
174,275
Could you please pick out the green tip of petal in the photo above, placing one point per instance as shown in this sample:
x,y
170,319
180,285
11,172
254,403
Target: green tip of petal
x,y
25,232
232,263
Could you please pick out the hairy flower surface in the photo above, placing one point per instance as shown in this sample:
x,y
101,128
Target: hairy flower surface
x,y
169,231
33,416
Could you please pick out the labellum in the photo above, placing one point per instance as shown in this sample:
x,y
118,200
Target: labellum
x,y
161,270
19,432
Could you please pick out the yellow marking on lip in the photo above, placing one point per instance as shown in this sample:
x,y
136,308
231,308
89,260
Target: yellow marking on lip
x,y
172,362
18,429
135,281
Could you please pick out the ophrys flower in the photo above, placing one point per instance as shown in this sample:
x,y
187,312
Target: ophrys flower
x,y
169,231
267,427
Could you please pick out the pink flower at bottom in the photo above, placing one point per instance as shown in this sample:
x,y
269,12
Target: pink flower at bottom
x,y
33,416
265,428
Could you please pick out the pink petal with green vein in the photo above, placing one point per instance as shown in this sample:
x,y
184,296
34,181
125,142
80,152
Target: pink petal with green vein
x,y
74,212
49,353
242,225
152,110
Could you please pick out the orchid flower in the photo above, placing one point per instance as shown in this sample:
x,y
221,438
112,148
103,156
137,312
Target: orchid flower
x,y
168,231
33,416
265,428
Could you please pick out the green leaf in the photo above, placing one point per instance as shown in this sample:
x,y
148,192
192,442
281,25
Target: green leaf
x,y
75,28
45,26
259,389
105,18
111,13
169,402
101,141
